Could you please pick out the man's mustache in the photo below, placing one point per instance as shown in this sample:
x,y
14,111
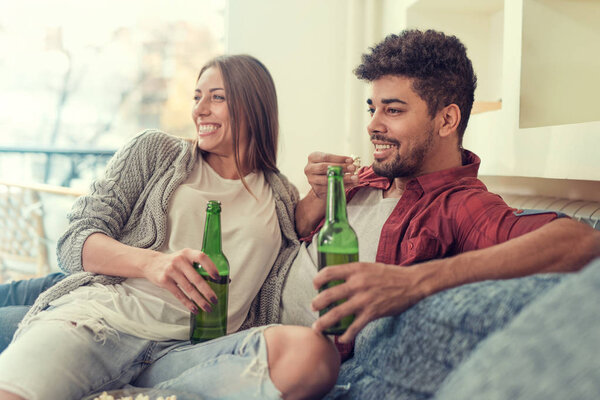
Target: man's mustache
x,y
384,138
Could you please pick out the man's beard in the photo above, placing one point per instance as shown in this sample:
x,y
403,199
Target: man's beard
x,y
410,166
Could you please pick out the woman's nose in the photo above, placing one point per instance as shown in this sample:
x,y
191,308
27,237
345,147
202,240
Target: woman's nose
x,y
201,108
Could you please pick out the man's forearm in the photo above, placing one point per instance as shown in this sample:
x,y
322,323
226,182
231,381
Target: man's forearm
x,y
562,245
309,212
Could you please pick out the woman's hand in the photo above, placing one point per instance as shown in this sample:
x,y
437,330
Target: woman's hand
x,y
175,272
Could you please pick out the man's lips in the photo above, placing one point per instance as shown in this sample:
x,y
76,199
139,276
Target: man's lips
x,y
383,148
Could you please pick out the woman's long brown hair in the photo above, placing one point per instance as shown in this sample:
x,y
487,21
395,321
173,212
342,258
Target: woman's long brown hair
x,y
252,104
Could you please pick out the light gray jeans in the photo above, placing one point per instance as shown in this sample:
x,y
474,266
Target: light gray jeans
x,y
57,360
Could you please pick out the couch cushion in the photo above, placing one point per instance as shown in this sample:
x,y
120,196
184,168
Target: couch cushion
x,y
549,351
408,356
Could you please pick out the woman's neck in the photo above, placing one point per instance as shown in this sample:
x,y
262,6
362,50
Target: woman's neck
x,y
224,166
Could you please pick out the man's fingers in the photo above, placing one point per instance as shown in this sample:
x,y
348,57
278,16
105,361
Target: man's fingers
x,y
360,321
334,315
340,291
320,157
333,272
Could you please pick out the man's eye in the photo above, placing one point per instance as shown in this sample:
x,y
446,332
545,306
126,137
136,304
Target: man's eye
x,y
371,111
394,111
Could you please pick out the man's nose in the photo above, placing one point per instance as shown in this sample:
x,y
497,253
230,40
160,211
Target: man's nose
x,y
375,125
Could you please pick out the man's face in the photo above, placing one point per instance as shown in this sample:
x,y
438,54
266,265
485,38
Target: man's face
x,y
401,129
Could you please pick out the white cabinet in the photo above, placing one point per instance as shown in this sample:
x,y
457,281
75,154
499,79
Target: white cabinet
x,y
537,63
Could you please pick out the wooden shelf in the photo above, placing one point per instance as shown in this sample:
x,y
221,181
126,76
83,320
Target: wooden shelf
x,y
485,106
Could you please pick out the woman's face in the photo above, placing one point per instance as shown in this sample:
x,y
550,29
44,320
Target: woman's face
x,y
211,115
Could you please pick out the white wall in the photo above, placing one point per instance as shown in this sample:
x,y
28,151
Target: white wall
x,y
309,47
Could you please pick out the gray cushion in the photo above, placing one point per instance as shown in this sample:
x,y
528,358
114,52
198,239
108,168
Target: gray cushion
x,y
410,355
549,351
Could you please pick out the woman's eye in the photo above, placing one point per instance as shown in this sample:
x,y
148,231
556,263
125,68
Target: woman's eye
x,y
196,98
218,97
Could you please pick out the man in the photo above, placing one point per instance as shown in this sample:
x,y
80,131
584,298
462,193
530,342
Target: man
x,y
445,228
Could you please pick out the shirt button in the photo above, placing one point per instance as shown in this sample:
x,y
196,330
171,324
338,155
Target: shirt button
x,y
410,245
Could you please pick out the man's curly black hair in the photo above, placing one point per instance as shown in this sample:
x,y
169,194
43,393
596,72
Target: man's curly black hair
x,y
442,72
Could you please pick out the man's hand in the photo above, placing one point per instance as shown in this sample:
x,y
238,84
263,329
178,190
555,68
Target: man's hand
x,y
372,290
175,272
311,209
316,171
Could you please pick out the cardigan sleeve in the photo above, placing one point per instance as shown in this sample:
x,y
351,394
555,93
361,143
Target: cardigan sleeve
x,y
112,198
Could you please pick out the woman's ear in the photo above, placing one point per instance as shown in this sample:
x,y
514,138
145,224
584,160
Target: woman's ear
x,y
450,118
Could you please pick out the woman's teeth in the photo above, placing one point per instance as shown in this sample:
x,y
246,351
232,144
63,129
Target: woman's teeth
x,y
207,128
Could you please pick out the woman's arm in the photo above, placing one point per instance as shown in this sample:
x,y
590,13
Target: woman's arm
x,y
174,272
108,206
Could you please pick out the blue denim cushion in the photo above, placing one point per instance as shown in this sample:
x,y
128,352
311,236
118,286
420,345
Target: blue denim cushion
x,y
549,351
408,356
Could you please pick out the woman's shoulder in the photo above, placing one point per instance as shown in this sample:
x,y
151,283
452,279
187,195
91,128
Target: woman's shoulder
x,y
282,187
154,143
157,137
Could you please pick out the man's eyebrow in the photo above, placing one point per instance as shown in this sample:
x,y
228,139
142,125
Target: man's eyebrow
x,y
387,101
390,101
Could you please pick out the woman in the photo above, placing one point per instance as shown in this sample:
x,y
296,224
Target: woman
x,y
125,319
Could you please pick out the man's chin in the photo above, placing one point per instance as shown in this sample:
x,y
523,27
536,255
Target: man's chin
x,y
384,170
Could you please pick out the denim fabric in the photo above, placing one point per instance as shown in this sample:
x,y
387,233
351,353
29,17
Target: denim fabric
x,y
408,356
15,299
25,292
231,367
550,351
9,322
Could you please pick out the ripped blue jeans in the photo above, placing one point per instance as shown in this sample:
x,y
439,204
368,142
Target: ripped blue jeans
x,y
231,367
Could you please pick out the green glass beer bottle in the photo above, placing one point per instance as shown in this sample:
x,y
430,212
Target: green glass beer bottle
x,y
337,242
211,325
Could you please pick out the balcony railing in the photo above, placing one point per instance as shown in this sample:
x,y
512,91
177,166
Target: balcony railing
x,y
75,160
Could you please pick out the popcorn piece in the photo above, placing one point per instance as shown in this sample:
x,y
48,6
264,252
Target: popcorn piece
x,y
356,162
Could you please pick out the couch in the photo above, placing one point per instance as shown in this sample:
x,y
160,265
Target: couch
x,y
413,355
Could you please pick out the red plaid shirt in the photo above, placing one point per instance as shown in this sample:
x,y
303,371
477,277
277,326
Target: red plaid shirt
x,y
445,213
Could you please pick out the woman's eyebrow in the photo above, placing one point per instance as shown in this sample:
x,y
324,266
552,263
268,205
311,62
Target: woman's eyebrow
x,y
210,90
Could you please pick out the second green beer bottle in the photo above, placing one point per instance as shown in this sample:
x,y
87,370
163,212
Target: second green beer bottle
x,y
337,242
211,325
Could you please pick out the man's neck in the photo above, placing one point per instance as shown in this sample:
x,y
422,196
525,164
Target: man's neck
x,y
396,189
452,159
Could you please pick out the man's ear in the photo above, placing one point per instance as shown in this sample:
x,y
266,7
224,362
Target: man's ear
x,y
450,118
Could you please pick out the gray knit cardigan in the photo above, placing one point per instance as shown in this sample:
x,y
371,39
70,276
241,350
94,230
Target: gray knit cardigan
x,y
130,204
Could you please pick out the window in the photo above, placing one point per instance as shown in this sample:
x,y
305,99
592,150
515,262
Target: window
x,y
78,77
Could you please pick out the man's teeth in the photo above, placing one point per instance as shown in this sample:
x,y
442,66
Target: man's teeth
x,y
383,146
207,128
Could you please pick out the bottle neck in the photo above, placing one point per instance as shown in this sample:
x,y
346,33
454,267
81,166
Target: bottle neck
x,y
211,242
336,200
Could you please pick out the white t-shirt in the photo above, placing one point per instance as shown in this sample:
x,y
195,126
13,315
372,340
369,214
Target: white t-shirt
x,y
251,239
367,212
